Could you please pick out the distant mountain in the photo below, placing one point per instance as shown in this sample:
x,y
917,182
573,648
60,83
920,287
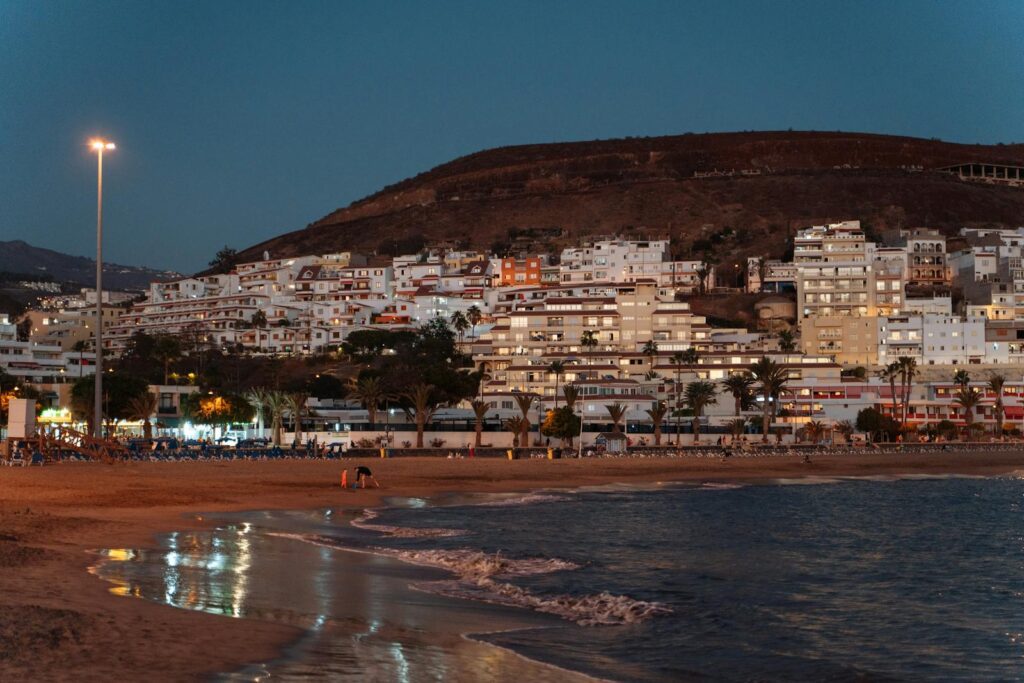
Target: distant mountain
x,y
20,257
690,187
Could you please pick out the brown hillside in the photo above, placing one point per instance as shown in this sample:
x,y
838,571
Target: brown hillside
x,y
647,186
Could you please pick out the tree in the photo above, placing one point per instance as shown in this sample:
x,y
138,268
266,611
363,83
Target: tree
x,y
588,340
369,392
561,423
699,395
995,385
143,407
259,321
557,368
517,426
23,329
872,422
525,402
814,431
771,379
657,415
571,394
740,385
679,359
908,370
224,260
276,405
257,399
787,341
297,407
166,349
650,350
968,398
79,348
845,428
762,272
616,412
480,410
460,324
119,389
889,373
474,316
737,427
690,355
703,271
422,405
961,378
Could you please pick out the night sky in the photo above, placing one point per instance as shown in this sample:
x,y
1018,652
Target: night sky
x,y
237,121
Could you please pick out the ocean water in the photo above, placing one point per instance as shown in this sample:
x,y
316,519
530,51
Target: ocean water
x,y
907,579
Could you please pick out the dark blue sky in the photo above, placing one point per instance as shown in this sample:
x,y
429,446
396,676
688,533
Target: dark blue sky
x,y
237,121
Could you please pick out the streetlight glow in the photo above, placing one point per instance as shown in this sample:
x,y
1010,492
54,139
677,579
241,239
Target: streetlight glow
x,y
102,144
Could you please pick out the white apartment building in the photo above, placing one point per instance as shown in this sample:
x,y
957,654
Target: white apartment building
x,y
932,339
838,274
40,363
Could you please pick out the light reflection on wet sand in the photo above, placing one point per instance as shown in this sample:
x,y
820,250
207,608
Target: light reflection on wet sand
x,y
363,621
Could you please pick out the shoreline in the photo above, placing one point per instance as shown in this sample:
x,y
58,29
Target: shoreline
x,y
60,621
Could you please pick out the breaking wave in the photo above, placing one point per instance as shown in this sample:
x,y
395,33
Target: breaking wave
x,y
478,578
524,499
365,521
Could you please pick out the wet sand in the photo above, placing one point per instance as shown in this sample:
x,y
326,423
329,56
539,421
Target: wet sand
x,y
59,622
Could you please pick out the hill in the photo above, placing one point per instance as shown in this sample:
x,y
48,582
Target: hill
x,y
690,187
20,257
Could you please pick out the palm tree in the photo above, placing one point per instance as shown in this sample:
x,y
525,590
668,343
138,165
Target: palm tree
x,y
968,398
703,271
588,340
740,386
845,428
460,324
474,316
79,348
423,406
166,349
995,385
961,378
679,359
889,373
259,321
771,378
699,395
650,350
657,415
369,392
571,394
277,404
297,406
480,410
737,427
908,370
762,272
787,341
616,412
557,367
691,355
141,408
814,431
257,398
516,425
525,402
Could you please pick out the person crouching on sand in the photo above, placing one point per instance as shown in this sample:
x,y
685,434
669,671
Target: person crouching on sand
x,y
363,474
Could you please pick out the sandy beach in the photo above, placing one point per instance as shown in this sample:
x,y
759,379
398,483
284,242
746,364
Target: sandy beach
x,y
59,622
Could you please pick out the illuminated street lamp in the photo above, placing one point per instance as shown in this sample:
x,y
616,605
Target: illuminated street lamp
x,y
99,146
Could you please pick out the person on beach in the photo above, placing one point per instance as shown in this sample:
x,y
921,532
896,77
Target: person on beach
x,y
362,474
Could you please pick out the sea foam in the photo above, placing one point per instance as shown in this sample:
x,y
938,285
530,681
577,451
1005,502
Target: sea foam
x,y
365,521
478,578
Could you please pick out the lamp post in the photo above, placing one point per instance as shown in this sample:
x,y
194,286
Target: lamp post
x,y
99,146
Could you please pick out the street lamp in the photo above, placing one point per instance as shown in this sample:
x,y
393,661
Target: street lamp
x,y
99,146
